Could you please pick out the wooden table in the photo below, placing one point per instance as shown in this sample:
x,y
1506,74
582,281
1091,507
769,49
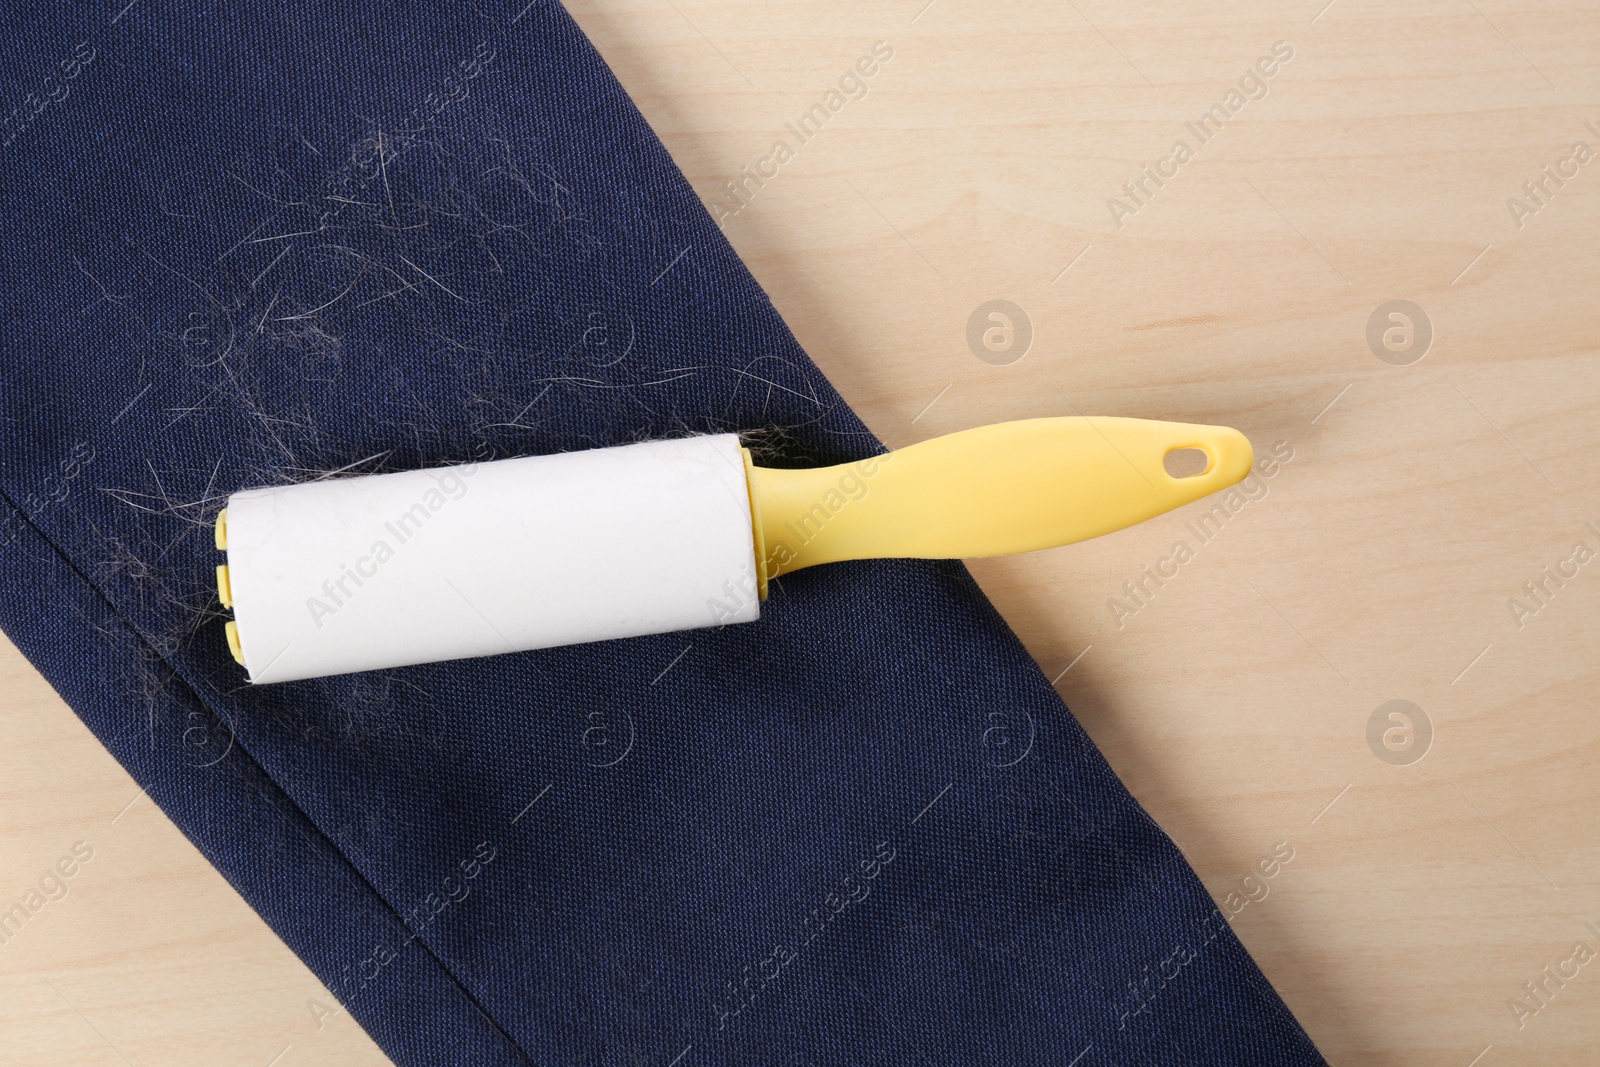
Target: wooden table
x,y
1433,458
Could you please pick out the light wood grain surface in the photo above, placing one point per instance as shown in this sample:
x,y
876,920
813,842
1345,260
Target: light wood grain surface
x,y
1236,696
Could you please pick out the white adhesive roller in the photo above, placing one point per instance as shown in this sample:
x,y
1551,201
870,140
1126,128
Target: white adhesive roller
x,y
386,570
389,570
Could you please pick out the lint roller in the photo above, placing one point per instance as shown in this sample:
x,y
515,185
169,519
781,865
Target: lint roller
x,y
387,570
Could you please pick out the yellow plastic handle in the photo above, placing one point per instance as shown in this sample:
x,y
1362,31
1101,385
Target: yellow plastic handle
x,y
990,491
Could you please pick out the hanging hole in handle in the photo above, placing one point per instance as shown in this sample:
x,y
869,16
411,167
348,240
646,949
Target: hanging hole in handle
x,y
1186,462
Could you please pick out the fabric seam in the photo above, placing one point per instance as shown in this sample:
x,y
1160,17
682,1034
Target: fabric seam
x,y
352,871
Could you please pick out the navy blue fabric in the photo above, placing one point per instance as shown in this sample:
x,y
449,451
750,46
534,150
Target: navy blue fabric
x,y
250,243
